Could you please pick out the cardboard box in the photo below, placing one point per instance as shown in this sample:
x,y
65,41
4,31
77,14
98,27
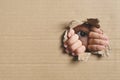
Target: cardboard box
x,y
30,39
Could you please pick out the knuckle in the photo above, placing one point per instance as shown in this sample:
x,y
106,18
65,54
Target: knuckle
x,y
68,42
107,42
101,36
80,49
104,42
71,40
79,42
83,47
73,46
76,36
106,37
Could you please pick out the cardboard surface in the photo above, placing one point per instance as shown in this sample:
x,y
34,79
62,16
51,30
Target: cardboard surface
x,y
30,34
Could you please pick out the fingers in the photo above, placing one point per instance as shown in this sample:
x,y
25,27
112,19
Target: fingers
x,y
98,30
106,37
76,45
96,47
72,39
97,36
70,32
76,48
80,50
98,42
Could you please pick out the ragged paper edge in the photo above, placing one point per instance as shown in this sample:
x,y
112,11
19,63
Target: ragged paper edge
x,y
85,56
105,52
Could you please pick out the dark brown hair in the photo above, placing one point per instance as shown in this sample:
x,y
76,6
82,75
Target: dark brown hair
x,y
90,23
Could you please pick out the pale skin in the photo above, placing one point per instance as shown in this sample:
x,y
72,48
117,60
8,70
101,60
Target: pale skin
x,y
97,41
74,44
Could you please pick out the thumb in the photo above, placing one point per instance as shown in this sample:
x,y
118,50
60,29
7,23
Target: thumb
x,y
71,32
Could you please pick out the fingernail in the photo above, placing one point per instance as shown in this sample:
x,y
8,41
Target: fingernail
x,y
65,45
71,32
69,35
73,54
107,42
104,38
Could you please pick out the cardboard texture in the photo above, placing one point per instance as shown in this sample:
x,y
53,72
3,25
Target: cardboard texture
x,y
30,39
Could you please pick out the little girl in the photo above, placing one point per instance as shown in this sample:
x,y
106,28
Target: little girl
x,y
85,37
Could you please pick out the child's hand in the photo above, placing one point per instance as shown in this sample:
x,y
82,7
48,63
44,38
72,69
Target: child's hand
x,y
97,40
73,44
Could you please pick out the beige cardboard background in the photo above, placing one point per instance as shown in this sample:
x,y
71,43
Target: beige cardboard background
x,y
30,32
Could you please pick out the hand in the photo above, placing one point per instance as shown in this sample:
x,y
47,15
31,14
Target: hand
x,y
97,40
73,44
